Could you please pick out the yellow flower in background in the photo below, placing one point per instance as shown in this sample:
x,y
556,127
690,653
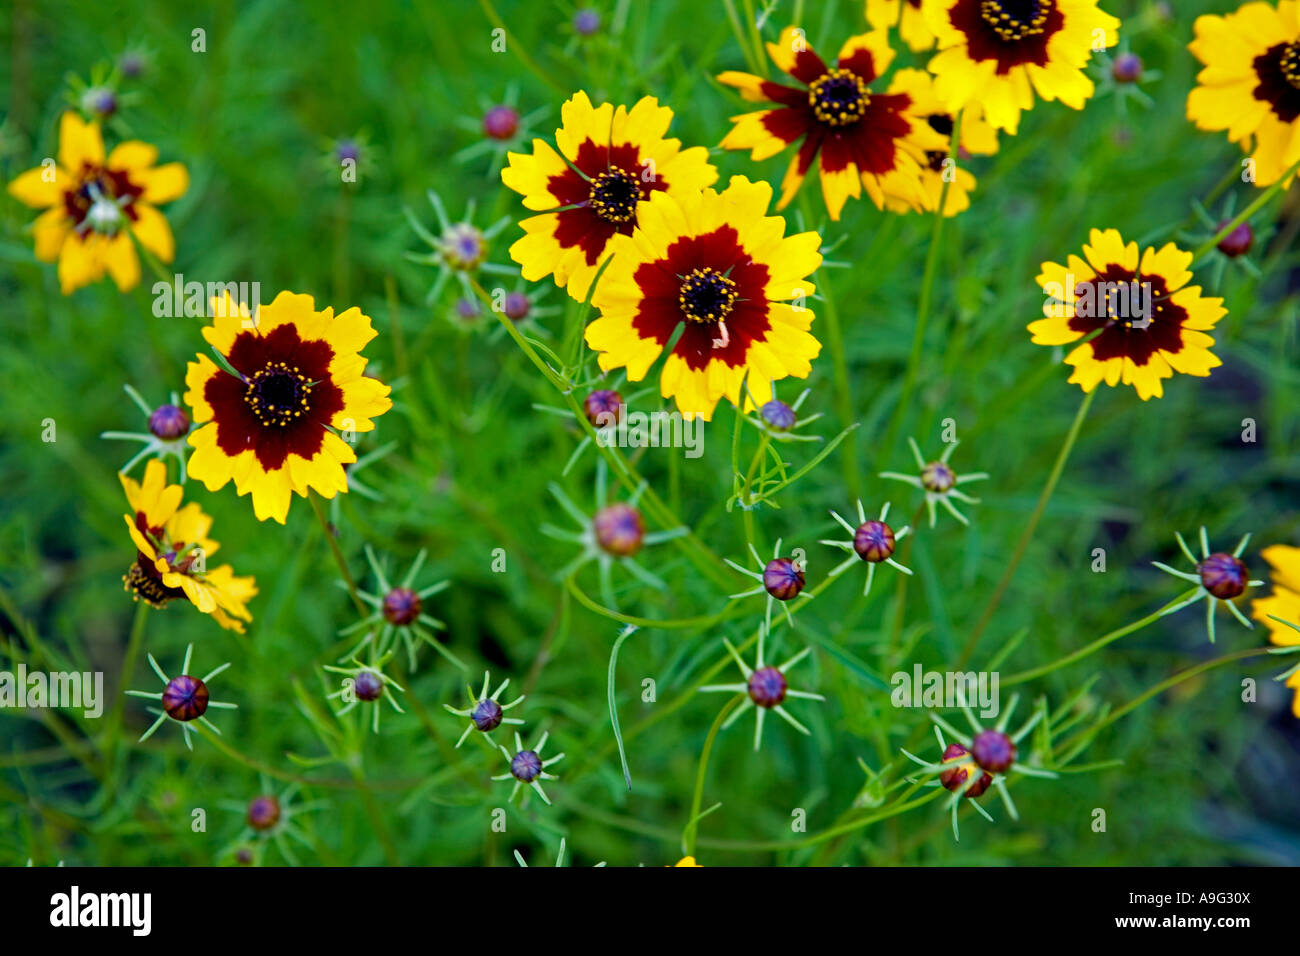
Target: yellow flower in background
x,y
999,53
718,265
1250,86
93,205
860,139
978,138
1146,322
609,160
272,428
907,16
1284,602
173,548
686,861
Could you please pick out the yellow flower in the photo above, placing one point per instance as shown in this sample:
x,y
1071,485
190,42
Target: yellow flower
x,y
273,425
94,205
686,861
998,53
172,550
1251,83
1284,602
978,138
1145,321
610,159
907,16
719,265
859,138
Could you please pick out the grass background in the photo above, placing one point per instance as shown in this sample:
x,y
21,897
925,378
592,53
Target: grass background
x,y
1205,778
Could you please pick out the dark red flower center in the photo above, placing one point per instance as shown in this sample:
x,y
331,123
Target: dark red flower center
x,y
839,98
1013,32
102,199
955,778
278,394
1098,305
1015,19
706,295
1278,69
614,195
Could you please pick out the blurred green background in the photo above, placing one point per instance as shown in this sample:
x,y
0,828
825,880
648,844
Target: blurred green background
x,y
257,119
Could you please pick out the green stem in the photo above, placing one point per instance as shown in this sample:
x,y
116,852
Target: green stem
x,y
693,824
1027,535
519,50
922,309
1245,214
1096,645
338,555
119,705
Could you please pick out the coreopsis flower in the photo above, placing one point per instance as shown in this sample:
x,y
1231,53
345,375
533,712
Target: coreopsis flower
x,y
271,418
978,138
717,264
1142,319
860,139
172,550
907,16
1282,607
609,160
999,53
1250,85
93,205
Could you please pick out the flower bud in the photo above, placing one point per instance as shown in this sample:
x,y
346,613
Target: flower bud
x,y
993,751
783,579
874,541
767,687
619,530
1224,576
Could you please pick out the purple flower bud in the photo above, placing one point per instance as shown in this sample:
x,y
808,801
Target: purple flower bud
x,y
185,698
783,579
1224,576
526,766
263,812
467,309
1238,242
619,530
602,402
1127,68
131,65
874,541
993,751
368,686
486,715
778,415
586,22
938,477
347,149
169,422
401,606
501,122
516,306
767,687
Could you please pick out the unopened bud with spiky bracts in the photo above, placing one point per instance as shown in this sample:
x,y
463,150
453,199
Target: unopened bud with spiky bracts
x,y
184,698
615,534
782,578
366,683
1219,578
501,122
1126,68
528,768
953,778
939,481
766,688
167,427
779,421
872,541
269,819
486,712
974,762
498,127
399,612
586,22
459,249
